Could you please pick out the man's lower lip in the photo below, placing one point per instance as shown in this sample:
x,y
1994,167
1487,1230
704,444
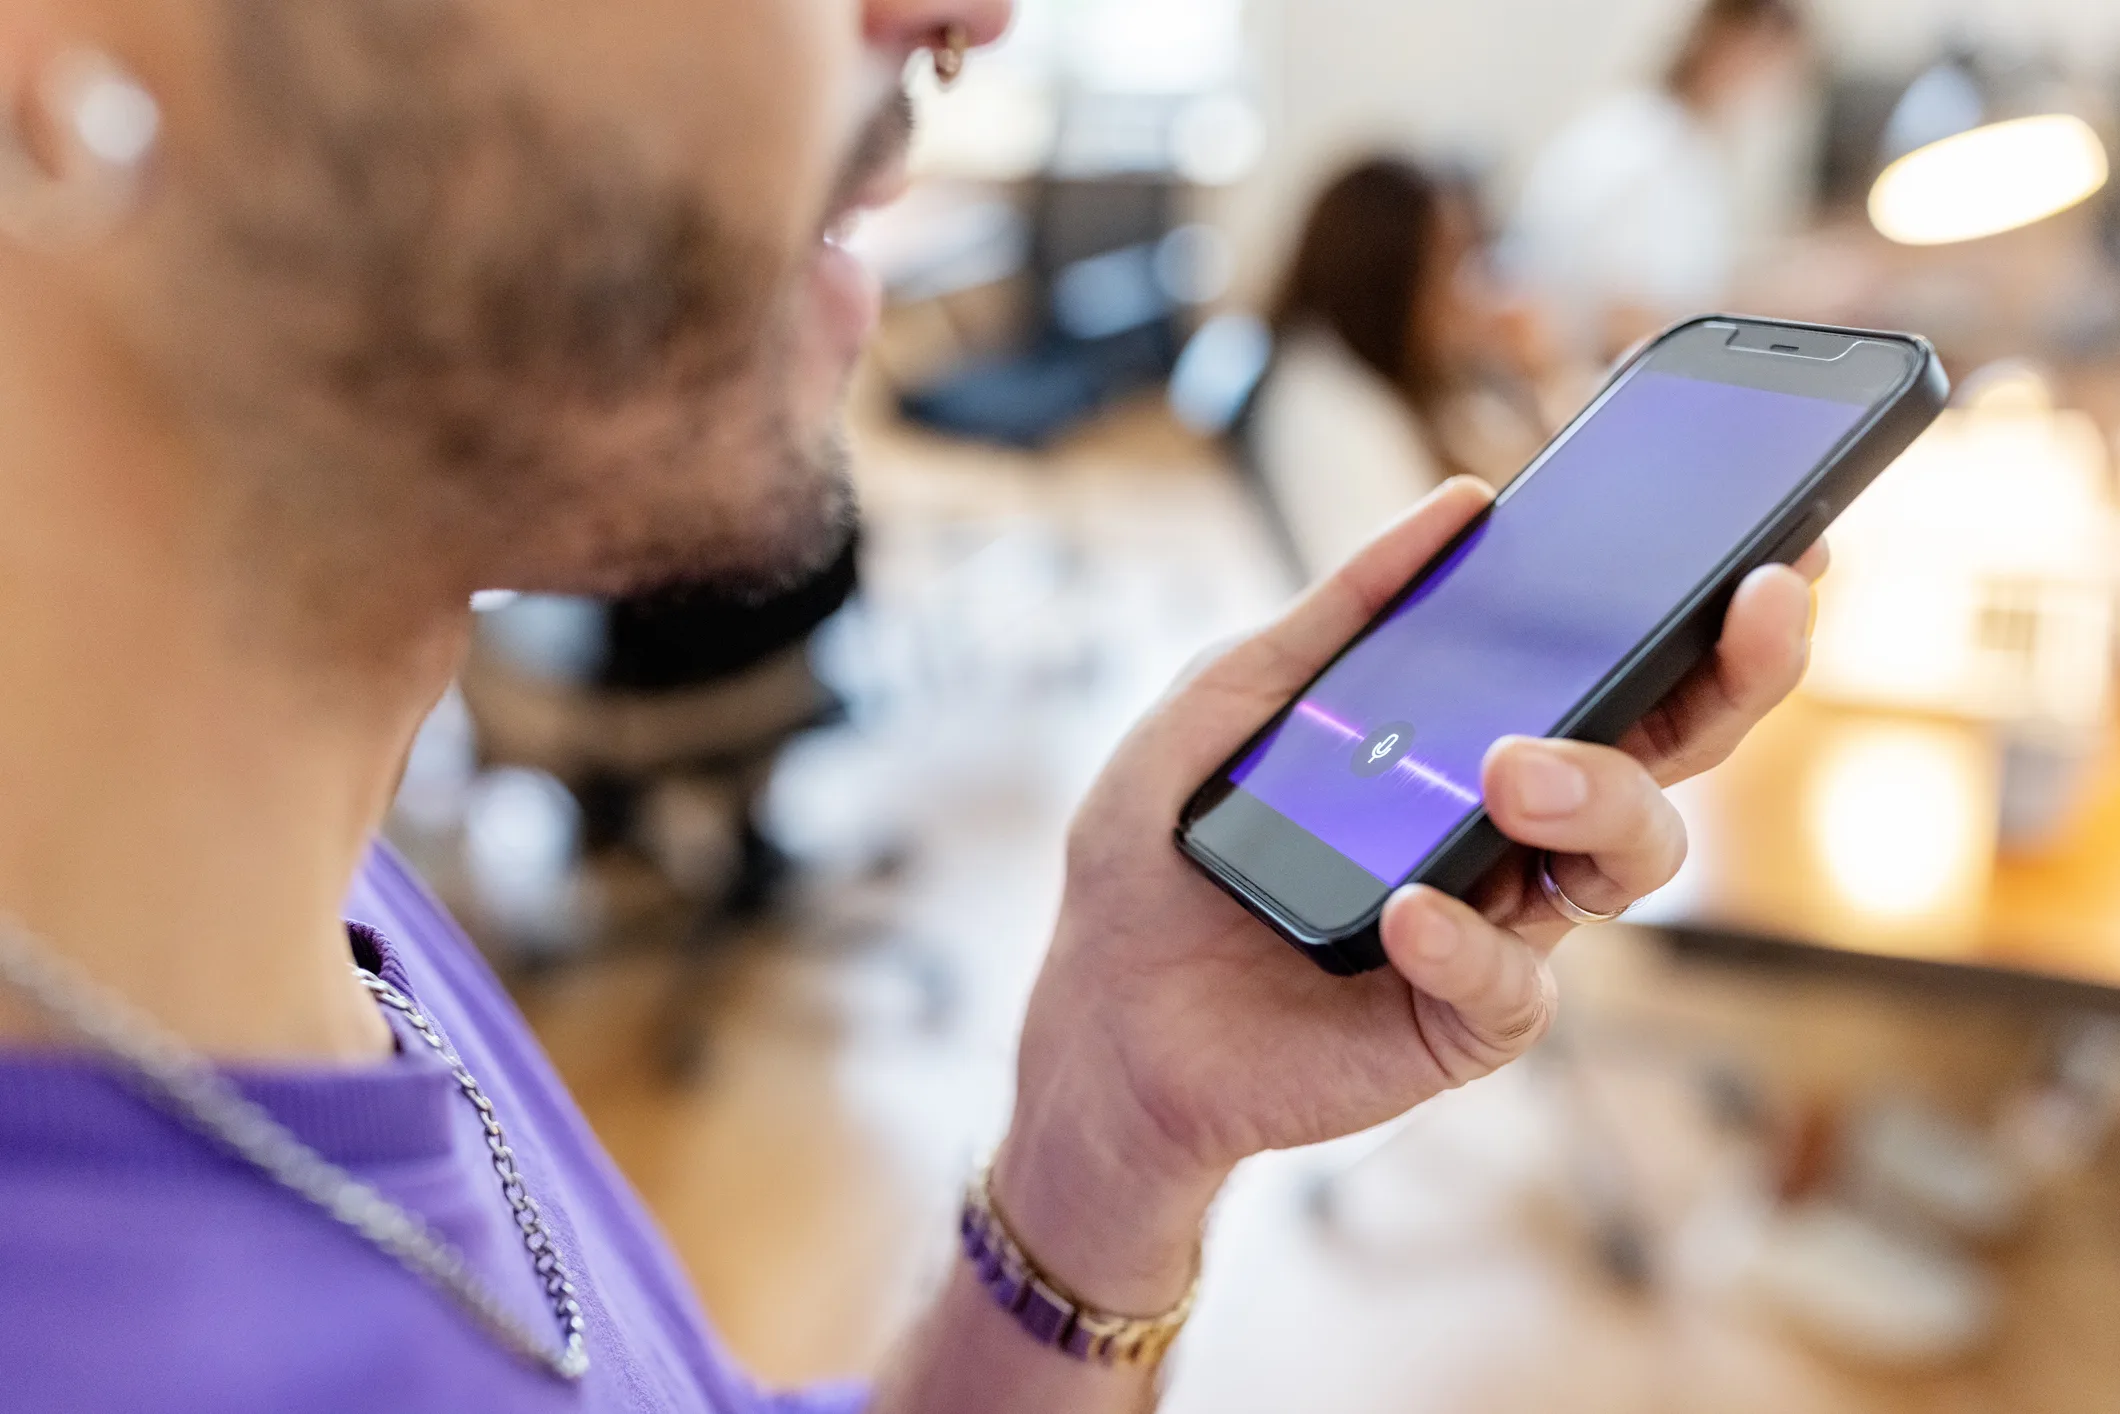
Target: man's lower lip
x,y
849,296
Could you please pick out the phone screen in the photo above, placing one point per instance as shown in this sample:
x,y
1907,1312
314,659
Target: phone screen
x,y
1579,562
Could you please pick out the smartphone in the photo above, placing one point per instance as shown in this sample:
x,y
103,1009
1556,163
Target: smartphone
x,y
1594,582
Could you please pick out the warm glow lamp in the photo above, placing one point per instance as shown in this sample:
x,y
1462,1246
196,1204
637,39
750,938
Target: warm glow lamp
x,y
1959,174
1974,578
1988,180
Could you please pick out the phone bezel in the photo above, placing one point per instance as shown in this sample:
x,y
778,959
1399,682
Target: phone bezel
x,y
1897,413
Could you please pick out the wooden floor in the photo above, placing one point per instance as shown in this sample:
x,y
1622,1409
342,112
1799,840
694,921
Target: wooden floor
x,y
1018,613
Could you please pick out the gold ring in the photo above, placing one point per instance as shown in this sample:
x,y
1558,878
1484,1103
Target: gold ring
x,y
949,50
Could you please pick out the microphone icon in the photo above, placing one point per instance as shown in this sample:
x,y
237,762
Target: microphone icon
x,y
1381,749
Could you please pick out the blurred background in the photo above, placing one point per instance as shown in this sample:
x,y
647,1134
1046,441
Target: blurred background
x,y
1190,296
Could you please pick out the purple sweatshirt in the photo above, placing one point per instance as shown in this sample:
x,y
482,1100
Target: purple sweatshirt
x,y
142,1269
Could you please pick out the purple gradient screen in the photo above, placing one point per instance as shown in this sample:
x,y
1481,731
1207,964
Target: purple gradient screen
x,y
1577,565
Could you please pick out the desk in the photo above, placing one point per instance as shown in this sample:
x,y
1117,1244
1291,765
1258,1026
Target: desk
x,y
1876,834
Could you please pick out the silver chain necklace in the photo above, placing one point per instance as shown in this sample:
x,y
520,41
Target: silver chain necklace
x,y
186,1084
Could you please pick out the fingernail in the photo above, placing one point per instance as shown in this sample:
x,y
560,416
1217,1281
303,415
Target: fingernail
x,y
1548,787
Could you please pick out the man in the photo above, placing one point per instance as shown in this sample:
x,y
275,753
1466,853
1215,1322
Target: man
x,y
1635,213
315,318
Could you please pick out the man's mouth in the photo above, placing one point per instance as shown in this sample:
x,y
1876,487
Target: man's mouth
x,y
875,173
848,294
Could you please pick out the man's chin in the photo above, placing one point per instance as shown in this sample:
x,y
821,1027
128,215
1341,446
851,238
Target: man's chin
x,y
751,553
769,570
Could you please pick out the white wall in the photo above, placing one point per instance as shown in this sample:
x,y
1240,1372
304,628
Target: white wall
x,y
1491,79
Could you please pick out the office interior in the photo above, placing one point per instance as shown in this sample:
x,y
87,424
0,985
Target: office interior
x,y
1826,1125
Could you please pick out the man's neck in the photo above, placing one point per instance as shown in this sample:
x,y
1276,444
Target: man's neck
x,y
186,787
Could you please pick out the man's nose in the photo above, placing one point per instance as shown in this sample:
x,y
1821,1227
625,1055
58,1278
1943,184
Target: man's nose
x,y
918,24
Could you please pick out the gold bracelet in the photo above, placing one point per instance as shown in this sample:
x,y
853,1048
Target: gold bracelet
x,y
1052,1314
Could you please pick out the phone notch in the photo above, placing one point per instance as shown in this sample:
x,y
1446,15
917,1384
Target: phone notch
x,y
1784,341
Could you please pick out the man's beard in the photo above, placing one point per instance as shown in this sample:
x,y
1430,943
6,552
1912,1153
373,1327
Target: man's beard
x,y
454,318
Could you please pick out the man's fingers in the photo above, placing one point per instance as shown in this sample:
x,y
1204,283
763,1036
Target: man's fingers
x,y
1813,563
1761,657
1336,608
1613,834
1498,993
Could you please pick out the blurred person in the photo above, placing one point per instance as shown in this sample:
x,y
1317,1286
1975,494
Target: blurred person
x,y
314,319
1631,217
1398,362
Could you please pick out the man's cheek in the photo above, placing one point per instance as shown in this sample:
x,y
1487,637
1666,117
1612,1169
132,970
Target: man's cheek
x,y
783,111
733,97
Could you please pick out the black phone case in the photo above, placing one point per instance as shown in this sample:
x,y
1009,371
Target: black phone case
x,y
1675,649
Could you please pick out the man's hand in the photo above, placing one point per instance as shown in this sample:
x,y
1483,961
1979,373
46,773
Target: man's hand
x,y
1172,1035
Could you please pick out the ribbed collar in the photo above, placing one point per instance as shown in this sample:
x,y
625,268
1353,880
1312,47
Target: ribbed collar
x,y
75,1105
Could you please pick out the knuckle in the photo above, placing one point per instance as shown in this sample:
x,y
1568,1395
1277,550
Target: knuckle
x,y
1699,755
1638,801
1664,738
1204,665
1530,1023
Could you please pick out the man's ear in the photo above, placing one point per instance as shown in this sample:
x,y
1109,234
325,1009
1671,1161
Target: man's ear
x,y
78,130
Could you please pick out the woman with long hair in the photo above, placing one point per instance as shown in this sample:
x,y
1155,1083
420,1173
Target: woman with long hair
x,y
1398,361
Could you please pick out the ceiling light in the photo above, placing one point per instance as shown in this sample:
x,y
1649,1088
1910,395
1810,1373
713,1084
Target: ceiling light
x,y
1987,180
